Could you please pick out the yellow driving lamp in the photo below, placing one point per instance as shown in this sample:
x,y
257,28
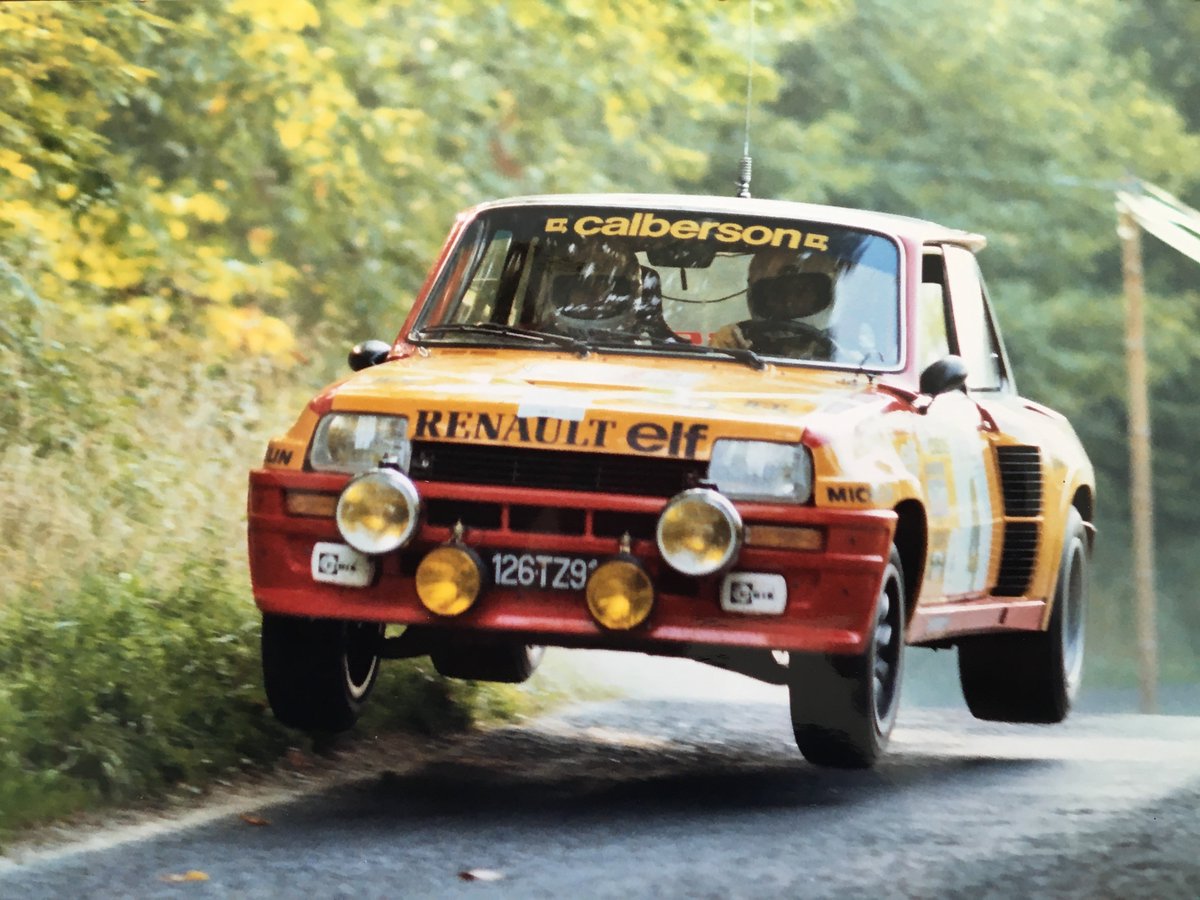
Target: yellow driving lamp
x,y
449,579
699,532
619,594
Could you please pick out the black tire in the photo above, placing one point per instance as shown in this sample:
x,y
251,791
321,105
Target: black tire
x,y
844,707
1033,677
485,660
319,672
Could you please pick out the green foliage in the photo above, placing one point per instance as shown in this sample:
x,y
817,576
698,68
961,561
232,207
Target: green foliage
x,y
410,696
122,689
989,119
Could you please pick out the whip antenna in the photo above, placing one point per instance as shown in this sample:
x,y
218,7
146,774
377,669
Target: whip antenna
x,y
747,164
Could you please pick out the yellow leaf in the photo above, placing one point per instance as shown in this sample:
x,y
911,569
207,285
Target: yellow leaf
x,y
207,208
291,134
177,229
11,162
65,191
260,240
190,875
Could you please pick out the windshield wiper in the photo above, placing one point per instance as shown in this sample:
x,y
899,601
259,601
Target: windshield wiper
x,y
749,357
495,328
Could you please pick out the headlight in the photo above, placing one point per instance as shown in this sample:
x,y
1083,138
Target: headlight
x,y
699,532
761,470
356,442
379,511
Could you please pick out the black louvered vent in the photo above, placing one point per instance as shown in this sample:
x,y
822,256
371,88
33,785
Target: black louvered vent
x,y
1017,558
1021,480
561,470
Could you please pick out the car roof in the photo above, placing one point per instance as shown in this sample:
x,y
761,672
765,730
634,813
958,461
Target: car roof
x,y
918,230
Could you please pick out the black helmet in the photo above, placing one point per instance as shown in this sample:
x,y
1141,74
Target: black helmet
x,y
782,285
593,285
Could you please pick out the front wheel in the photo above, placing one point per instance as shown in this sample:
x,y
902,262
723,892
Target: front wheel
x,y
319,672
1033,676
844,707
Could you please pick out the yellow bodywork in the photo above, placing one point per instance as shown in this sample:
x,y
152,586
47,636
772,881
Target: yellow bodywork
x,y
870,449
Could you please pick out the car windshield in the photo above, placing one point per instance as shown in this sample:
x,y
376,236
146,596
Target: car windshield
x,y
654,281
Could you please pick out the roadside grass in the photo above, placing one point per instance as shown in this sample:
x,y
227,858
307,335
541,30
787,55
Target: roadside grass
x,y
129,661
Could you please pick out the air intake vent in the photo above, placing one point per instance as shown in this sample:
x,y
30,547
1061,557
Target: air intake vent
x,y
1017,558
561,470
1021,481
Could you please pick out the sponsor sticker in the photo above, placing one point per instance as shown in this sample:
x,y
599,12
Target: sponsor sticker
x,y
674,438
755,593
647,224
339,564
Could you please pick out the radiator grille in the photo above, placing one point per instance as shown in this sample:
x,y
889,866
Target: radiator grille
x,y
561,470
1021,480
1017,558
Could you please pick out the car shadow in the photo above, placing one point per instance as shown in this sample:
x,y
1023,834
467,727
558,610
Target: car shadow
x,y
610,764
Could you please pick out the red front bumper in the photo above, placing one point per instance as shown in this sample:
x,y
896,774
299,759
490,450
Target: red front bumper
x,y
831,592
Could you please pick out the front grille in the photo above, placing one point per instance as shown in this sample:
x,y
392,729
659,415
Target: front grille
x,y
639,526
1017,558
447,513
540,519
557,469
1021,480
546,520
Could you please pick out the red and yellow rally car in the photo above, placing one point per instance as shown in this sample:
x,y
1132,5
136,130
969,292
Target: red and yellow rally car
x,y
779,438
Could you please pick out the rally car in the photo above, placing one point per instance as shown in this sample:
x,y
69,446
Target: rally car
x,y
779,438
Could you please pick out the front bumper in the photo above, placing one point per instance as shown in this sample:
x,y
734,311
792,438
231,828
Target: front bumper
x,y
830,592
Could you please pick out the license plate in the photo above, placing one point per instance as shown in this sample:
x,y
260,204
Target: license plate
x,y
541,571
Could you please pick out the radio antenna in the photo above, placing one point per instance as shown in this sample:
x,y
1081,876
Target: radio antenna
x,y
747,164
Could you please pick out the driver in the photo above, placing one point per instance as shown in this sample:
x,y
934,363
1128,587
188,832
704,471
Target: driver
x,y
787,295
598,289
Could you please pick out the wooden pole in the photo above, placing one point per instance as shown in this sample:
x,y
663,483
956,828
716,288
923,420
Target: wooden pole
x,y
1140,485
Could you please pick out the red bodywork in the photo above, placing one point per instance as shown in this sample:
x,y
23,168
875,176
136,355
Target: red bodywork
x,y
831,592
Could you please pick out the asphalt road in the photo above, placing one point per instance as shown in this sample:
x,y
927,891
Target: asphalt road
x,y
690,788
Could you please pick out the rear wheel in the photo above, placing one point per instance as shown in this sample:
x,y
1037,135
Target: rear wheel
x,y
319,672
844,707
486,660
1033,676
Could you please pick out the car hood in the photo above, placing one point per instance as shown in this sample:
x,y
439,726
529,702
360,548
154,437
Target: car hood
x,y
603,403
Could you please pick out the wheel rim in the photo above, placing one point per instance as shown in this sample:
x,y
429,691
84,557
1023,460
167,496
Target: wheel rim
x,y
1072,614
887,649
360,659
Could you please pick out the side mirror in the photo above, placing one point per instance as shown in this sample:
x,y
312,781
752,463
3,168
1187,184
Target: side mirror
x,y
946,374
367,354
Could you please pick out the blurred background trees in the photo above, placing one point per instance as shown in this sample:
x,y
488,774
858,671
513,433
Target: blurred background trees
x,y
199,197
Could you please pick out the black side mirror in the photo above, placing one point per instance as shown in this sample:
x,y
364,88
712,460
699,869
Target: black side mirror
x,y
367,354
947,374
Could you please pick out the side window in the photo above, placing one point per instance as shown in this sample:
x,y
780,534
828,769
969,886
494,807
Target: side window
x,y
481,293
975,340
933,341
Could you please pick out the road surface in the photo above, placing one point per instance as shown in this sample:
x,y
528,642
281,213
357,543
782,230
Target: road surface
x,y
691,787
